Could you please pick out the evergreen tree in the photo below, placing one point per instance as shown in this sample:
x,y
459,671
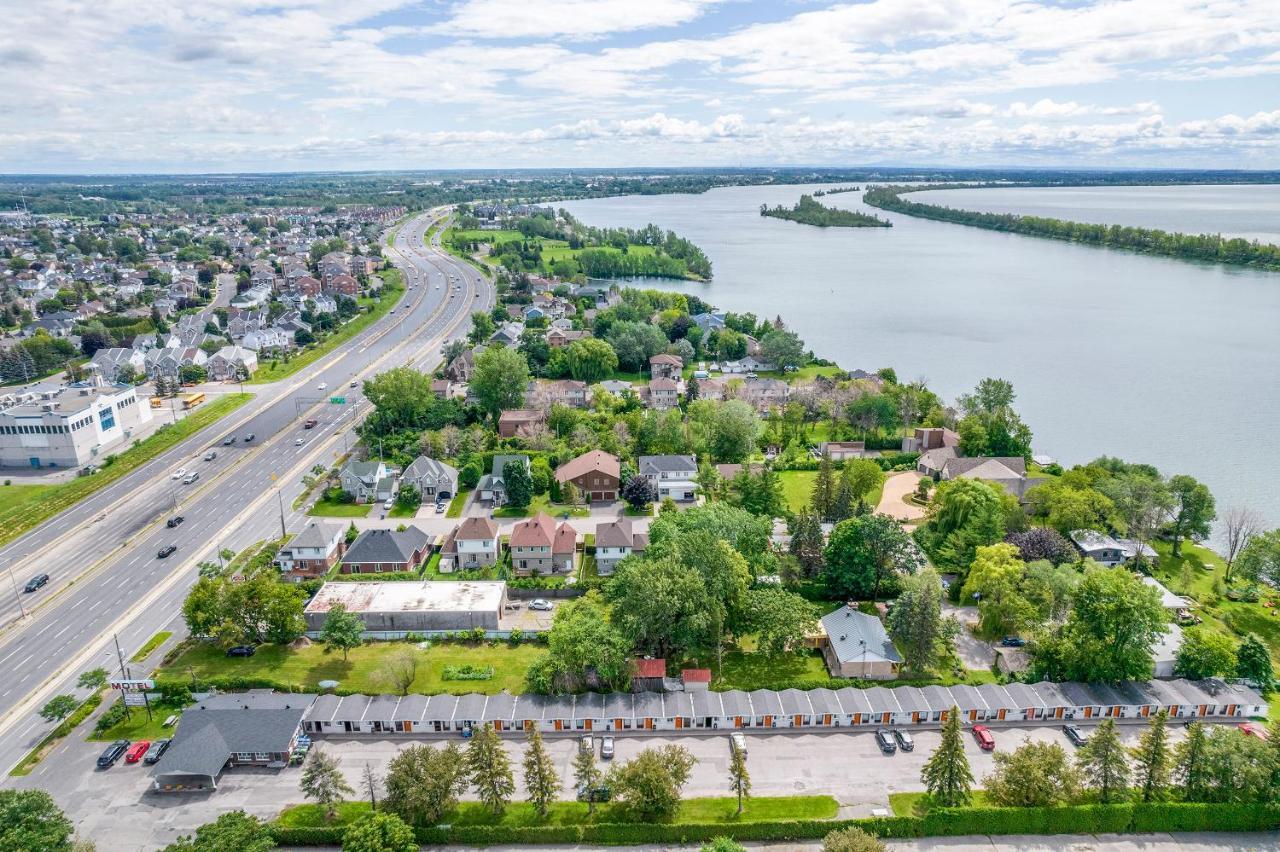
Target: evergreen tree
x,y
946,774
540,777
739,777
824,489
586,775
807,542
1105,764
1192,769
916,621
323,781
1151,759
489,769
1253,663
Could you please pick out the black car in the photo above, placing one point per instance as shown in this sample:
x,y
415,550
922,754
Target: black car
x,y
156,750
904,740
166,551
1077,736
113,753
249,438
36,582
241,651
599,793
884,739
231,439
174,521
1013,641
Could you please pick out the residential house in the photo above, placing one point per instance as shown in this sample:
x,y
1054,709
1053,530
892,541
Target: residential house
x,y
931,438
664,394
1099,547
312,552
434,479
491,489
842,450
508,334
461,367
268,340
765,394
750,364
616,387
472,544
595,474
568,392
520,422
709,322
385,551
342,285
615,541
672,476
664,366
856,644
1010,473
538,546
561,337
367,481
227,362
110,362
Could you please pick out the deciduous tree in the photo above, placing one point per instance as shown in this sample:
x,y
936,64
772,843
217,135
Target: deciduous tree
x,y
852,839
31,820
399,670
423,783
232,830
323,782
650,784
499,380
342,629
739,777
1193,511
1034,775
379,832
1204,653
587,775
863,553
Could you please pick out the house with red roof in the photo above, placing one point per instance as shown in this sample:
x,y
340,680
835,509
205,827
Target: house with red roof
x,y
538,546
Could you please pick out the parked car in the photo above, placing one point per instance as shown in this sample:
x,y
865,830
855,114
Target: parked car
x,y
241,651
606,748
154,753
248,439
738,741
982,734
191,477
229,440
166,551
179,473
1013,641
587,743
135,752
905,742
594,794
540,604
174,521
388,503
35,583
1077,736
212,454
884,739
1251,729
112,753
310,423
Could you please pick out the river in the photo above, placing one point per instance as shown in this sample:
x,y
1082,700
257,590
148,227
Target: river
x,y
1110,352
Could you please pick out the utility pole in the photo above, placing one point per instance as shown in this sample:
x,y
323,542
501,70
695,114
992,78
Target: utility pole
x,y
124,673
280,501
21,608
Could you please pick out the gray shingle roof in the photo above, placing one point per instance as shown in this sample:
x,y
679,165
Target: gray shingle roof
x,y
653,465
386,545
856,636
212,730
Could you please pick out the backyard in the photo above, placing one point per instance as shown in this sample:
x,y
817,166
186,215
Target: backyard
x,y
797,489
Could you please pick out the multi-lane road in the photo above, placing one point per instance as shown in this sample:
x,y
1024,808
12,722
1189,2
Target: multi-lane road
x,y
106,578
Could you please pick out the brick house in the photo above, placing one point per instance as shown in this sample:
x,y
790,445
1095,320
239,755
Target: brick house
x,y
519,422
596,475
538,546
664,366
312,552
471,544
382,551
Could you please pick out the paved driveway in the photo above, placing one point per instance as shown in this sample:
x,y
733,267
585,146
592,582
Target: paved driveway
x,y
974,653
896,487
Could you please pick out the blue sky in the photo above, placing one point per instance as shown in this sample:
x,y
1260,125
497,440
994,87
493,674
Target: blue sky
x,y
244,85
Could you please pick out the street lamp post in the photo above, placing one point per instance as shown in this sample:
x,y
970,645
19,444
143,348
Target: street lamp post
x,y
16,596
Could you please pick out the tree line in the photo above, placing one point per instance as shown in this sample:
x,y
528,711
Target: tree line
x,y
1212,248
807,211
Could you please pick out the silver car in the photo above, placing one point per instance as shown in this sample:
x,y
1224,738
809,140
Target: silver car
x,y
738,742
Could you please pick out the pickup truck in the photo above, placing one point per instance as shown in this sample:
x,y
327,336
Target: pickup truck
x,y
309,424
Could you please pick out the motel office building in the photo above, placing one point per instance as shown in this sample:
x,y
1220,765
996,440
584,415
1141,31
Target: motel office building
x,y
790,708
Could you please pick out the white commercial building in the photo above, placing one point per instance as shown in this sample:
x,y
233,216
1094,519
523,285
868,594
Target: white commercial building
x,y
67,425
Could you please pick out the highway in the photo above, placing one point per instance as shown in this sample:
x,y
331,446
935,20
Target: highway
x,y
102,555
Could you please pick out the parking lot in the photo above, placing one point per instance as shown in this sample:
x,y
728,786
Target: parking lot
x,y
116,809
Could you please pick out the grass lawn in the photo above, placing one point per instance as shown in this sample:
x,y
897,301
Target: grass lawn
x,y
797,487
912,804
326,509
720,809
392,290
138,727
152,643
30,505
398,511
542,503
306,667
748,671
455,505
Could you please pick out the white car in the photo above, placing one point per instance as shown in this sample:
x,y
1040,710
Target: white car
x,y
540,604
322,386
388,504
738,742
299,442
179,473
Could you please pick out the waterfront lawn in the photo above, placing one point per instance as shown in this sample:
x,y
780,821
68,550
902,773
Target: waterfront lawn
x,y
323,508
306,667
720,809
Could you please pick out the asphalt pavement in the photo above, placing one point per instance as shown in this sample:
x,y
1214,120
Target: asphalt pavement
x,y
106,579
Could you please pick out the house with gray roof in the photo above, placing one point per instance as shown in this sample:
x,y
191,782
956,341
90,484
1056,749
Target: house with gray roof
x,y
856,645
1099,547
255,728
491,489
381,551
433,479
672,476
312,552
367,481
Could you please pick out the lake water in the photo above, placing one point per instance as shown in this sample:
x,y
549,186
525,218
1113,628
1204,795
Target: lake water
x,y
1152,360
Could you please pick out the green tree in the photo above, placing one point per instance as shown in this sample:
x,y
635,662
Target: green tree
x,y
379,832
858,479
965,514
584,649
540,777
1240,768
1151,759
635,343
807,542
783,348
519,483
1112,627
852,839
650,784
739,777
872,412
1204,653
58,708
916,622
1105,764
946,774
31,821
1191,768
232,830
489,768
735,429
862,553
1193,511
499,380
423,783
1253,663
482,327
342,629
994,580
591,360
780,620
1259,561
323,782
93,679
823,497
587,775
661,606
990,426
1034,775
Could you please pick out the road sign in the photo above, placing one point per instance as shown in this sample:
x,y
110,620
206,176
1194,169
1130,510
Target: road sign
x,y
132,685
337,400
135,699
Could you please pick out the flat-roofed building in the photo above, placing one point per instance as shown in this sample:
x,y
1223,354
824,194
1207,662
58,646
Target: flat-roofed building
x,y
399,607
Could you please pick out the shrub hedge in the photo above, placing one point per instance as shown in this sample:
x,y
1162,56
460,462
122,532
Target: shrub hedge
x,y
1081,819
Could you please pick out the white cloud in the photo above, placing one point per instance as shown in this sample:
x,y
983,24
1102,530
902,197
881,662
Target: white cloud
x,y
499,19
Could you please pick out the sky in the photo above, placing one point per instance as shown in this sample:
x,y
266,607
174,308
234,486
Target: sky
x,y
104,86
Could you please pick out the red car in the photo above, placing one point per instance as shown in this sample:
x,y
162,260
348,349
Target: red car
x,y
982,734
1249,729
136,751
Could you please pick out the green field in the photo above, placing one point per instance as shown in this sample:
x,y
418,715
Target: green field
x,y
323,508
306,667
392,290
797,488
25,506
719,809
